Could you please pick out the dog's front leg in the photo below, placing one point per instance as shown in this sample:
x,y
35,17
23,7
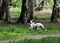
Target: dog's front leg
x,y
31,27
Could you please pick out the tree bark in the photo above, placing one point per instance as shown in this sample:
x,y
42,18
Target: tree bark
x,y
5,9
30,10
54,14
1,11
27,12
21,18
54,11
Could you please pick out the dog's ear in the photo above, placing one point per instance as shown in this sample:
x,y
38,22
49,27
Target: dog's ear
x,y
33,20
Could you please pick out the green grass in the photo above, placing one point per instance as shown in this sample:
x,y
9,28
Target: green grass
x,y
45,40
10,31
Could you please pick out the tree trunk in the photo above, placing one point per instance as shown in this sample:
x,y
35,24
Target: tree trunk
x,y
30,10
27,12
1,11
58,15
5,9
54,11
58,10
54,14
21,19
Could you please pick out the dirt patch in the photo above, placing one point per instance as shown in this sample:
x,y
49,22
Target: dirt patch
x,y
46,11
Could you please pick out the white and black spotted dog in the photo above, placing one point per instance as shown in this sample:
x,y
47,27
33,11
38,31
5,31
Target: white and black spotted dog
x,y
36,25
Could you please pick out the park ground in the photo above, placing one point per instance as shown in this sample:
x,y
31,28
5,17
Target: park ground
x,y
14,31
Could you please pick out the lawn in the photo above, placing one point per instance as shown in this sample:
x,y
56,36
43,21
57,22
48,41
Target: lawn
x,y
11,31
45,40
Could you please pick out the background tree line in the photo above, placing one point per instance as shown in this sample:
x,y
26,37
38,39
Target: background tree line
x,y
27,9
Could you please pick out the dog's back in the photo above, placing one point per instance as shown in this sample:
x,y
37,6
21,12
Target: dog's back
x,y
39,24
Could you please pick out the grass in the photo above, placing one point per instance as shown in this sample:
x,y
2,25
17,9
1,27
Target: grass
x,y
45,40
11,31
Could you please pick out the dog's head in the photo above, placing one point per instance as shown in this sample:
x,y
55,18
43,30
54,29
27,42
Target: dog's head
x,y
32,21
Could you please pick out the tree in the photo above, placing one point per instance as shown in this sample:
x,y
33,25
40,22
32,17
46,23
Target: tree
x,y
26,11
23,12
1,9
55,11
58,10
4,8
30,10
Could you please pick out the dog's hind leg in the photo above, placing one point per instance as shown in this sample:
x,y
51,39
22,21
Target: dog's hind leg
x,y
44,28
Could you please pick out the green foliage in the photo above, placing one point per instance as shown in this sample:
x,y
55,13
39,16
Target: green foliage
x,y
18,2
50,4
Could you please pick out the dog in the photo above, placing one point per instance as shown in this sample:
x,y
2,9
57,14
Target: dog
x,y
37,26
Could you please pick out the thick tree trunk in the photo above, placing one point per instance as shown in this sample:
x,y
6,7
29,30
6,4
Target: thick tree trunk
x,y
21,19
54,14
58,10
7,14
30,10
5,9
1,11
58,15
27,12
54,11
